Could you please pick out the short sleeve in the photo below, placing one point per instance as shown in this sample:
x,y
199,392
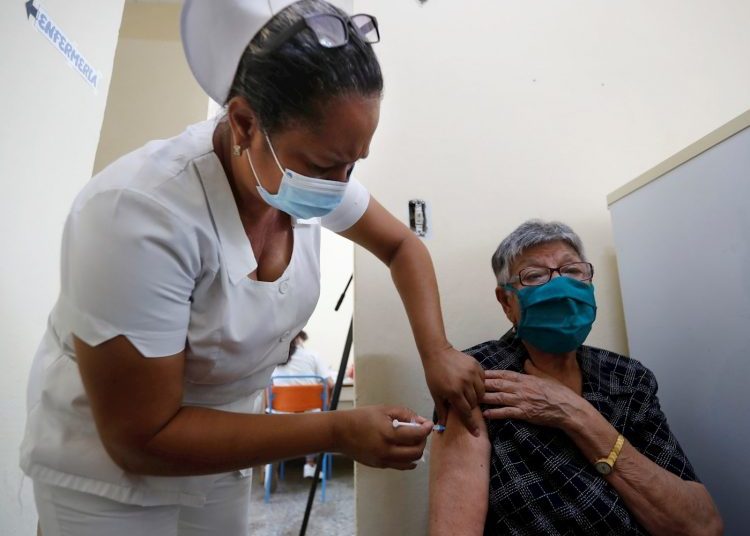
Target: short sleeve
x,y
128,269
649,432
352,208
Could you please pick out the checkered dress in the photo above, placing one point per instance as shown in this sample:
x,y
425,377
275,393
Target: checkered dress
x,y
539,481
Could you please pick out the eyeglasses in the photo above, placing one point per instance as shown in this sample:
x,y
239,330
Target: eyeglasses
x,y
331,30
533,276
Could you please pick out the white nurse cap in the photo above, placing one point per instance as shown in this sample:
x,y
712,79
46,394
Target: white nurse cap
x,y
215,33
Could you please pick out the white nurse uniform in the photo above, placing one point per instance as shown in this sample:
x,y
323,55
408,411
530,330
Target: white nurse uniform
x,y
153,249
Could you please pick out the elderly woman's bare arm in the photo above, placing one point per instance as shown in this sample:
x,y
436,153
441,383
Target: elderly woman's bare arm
x,y
459,479
661,501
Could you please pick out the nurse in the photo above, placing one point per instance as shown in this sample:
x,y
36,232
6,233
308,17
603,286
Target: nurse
x,y
189,264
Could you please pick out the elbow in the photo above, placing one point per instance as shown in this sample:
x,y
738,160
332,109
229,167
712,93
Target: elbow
x,y
407,243
130,459
711,525
714,526
130,466
128,462
718,526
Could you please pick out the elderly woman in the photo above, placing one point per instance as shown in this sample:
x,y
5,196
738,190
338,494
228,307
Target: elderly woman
x,y
575,441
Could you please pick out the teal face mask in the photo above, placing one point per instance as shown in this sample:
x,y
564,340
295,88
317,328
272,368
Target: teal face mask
x,y
300,196
556,317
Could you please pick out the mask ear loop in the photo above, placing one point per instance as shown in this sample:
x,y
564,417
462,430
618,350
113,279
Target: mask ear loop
x,y
511,289
252,167
268,140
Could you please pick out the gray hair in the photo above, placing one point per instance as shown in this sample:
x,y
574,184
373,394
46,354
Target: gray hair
x,y
527,235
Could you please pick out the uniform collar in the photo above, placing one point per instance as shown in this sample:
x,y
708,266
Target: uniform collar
x,y
235,245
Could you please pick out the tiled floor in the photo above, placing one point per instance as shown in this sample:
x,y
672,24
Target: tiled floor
x,y
283,515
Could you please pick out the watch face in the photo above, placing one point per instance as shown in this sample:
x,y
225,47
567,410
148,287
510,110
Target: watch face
x,y
603,468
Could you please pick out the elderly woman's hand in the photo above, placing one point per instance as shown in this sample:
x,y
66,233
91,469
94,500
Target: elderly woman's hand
x,y
533,397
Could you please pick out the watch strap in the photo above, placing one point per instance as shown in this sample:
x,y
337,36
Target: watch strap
x,y
614,453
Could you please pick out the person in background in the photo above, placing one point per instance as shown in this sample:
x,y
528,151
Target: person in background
x,y
303,362
575,441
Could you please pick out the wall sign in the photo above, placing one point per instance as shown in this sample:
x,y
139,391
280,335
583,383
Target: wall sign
x,y
75,59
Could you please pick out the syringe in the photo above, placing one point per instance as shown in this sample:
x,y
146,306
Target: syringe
x,y
436,428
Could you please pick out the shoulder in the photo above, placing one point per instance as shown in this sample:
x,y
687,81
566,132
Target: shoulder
x,y
502,354
130,224
616,373
152,188
159,171
352,208
304,353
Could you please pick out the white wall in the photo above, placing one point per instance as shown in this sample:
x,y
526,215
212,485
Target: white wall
x,y
328,328
153,93
499,111
51,124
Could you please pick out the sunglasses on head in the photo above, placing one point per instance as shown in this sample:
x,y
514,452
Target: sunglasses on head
x,y
331,30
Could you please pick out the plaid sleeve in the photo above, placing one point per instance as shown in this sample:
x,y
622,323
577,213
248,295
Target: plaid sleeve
x,y
650,434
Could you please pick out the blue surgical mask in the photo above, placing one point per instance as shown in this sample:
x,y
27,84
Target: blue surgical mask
x,y
556,317
300,196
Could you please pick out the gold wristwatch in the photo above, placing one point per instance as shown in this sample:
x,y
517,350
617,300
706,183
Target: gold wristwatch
x,y
605,465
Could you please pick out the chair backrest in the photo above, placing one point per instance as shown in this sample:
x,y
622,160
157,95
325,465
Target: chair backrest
x,y
297,398
294,398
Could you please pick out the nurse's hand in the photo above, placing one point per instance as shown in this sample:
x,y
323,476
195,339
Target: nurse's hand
x,y
367,435
455,380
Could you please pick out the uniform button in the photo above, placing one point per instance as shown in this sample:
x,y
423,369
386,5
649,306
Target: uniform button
x,y
285,336
283,287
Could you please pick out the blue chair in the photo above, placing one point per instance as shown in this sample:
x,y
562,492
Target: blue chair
x,y
298,398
